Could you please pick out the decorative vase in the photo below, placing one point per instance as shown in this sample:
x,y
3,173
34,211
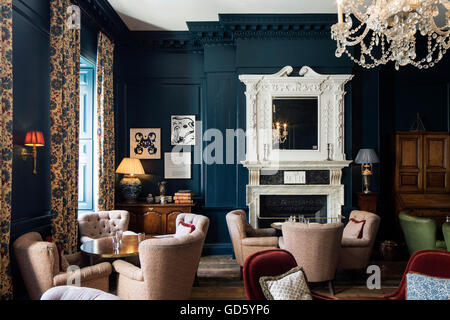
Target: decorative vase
x,y
131,188
389,250
162,188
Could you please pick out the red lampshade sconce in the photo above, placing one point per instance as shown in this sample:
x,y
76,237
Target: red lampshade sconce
x,y
33,139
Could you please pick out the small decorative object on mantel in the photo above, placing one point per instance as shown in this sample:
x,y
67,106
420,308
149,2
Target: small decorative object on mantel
x,y
366,157
418,124
130,185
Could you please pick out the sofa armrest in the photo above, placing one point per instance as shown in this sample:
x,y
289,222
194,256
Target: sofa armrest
x,y
97,271
265,232
351,242
260,241
128,270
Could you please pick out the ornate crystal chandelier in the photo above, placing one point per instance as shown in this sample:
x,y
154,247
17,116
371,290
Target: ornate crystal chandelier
x,y
387,30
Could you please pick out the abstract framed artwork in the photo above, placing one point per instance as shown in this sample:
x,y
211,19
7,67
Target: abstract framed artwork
x,y
183,130
145,143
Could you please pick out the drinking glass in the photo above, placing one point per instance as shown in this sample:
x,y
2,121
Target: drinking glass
x,y
119,235
115,244
307,221
141,237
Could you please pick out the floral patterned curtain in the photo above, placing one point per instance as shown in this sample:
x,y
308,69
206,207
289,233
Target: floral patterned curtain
x,y
64,122
6,145
105,123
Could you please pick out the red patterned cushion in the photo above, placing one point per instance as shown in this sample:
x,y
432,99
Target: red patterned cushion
x,y
354,229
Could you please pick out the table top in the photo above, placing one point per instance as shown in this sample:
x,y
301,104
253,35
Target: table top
x,y
103,247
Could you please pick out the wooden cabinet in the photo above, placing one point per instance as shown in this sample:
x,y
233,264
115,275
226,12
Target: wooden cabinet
x,y
367,201
422,173
153,218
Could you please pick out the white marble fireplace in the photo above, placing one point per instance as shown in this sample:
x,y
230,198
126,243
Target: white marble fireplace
x,y
303,172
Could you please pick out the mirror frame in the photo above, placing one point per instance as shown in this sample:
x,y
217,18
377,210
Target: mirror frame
x,y
260,92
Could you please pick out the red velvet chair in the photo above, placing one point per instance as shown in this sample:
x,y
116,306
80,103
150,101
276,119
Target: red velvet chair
x,y
269,262
434,263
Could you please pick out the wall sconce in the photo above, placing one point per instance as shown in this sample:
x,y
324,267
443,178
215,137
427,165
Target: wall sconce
x,y
33,139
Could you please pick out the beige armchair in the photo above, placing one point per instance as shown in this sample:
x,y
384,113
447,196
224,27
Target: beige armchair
x,y
168,265
245,239
315,247
94,225
355,252
40,266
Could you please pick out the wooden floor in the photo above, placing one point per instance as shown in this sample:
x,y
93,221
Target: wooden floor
x,y
219,280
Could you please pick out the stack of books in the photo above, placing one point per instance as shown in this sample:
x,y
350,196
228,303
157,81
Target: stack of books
x,y
183,197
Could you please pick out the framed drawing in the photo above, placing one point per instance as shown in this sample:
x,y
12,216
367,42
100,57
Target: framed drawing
x,y
183,130
177,165
145,143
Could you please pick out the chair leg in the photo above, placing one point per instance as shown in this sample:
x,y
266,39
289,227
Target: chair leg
x,y
241,273
331,287
196,282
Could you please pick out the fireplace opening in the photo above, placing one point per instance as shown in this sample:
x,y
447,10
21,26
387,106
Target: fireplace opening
x,y
283,206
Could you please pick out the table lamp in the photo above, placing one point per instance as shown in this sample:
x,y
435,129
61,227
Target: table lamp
x,y
130,186
366,157
33,139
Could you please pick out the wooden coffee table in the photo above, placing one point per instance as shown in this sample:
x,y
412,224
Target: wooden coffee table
x,y
103,248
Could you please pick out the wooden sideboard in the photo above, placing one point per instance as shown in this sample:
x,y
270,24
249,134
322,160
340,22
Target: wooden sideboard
x,y
154,218
422,174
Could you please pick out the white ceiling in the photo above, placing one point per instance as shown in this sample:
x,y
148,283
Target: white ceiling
x,y
172,15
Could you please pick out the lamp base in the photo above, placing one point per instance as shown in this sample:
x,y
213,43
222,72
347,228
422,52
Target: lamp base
x,y
131,188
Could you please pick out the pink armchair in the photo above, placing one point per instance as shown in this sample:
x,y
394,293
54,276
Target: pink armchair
x,y
315,247
245,239
168,265
39,264
355,252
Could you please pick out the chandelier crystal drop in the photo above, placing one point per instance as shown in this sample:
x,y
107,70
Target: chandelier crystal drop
x,y
387,30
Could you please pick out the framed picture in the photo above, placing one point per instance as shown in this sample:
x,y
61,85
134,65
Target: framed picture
x,y
183,130
145,143
177,165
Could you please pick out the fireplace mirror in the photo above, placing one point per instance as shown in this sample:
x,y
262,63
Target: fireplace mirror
x,y
295,123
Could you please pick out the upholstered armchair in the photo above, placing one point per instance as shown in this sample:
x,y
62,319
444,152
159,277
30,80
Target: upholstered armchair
x,y
94,225
315,247
355,252
41,269
247,240
420,233
168,265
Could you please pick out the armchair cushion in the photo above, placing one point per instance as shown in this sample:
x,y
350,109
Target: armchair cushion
x,y
291,285
77,293
128,270
103,269
354,229
351,242
260,241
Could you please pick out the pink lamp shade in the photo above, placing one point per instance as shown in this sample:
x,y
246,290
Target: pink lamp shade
x,y
34,139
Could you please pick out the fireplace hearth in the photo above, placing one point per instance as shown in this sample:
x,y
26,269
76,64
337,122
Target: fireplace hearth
x,y
283,206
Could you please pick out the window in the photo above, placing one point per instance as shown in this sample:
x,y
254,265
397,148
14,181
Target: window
x,y
87,141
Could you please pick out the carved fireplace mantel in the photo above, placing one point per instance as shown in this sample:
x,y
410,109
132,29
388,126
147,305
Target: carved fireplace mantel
x,y
328,155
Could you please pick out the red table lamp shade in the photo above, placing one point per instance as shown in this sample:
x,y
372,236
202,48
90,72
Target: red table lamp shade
x,y
34,139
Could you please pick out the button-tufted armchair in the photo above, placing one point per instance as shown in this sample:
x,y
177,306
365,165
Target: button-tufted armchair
x,y
355,252
94,225
41,269
168,265
245,239
77,293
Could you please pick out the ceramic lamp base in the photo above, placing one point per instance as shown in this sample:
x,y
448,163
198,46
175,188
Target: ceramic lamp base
x,y
131,188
